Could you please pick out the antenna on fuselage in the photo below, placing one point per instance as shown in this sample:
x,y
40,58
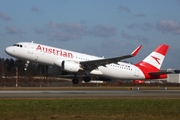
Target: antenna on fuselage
x,y
32,41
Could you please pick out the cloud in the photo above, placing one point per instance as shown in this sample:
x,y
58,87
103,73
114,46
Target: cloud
x,y
168,26
140,15
14,30
178,1
104,31
124,8
4,17
114,48
144,26
83,22
126,35
39,31
34,9
64,36
139,38
67,31
73,28
52,25
71,31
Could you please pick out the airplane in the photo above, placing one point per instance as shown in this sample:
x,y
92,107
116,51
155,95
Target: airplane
x,y
86,66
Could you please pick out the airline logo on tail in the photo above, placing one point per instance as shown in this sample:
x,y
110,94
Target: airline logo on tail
x,y
157,59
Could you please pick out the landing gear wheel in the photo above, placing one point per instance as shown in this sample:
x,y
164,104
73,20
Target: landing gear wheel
x,y
75,80
87,79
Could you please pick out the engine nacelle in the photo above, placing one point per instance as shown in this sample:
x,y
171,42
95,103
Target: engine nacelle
x,y
70,66
58,62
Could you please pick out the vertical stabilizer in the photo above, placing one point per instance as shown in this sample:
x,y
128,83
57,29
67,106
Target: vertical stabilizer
x,y
153,62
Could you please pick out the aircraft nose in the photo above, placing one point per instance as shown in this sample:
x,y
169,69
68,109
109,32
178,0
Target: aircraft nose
x,y
8,50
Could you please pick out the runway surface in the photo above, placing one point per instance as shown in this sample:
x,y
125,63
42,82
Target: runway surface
x,y
90,94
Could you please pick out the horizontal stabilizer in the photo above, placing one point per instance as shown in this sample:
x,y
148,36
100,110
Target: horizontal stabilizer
x,y
165,71
160,73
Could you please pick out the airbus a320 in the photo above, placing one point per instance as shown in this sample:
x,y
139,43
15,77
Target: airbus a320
x,y
86,66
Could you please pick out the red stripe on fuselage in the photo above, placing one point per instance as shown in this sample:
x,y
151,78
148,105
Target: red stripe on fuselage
x,y
146,68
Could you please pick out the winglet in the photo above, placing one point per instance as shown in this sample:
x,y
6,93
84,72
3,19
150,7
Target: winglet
x,y
135,52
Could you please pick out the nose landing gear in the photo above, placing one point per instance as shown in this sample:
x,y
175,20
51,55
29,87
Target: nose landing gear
x,y
26,65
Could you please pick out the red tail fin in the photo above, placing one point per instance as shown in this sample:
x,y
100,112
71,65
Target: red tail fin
x,y
153,62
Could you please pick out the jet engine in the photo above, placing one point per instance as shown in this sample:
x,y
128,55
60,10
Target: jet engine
x,y
70,66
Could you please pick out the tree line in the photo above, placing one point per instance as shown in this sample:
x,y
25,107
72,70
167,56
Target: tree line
x,y
9,66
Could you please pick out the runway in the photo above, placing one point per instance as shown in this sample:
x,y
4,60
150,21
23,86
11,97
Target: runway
x,y
90,94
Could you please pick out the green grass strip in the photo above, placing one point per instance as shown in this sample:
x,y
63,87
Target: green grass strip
x,y
90,109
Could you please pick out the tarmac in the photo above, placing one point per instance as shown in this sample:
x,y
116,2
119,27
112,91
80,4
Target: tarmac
x,y
89,93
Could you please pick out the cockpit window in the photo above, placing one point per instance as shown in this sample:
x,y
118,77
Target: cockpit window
x,y
18,45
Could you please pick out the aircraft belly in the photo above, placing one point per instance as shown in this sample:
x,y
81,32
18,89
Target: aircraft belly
x,y
119,73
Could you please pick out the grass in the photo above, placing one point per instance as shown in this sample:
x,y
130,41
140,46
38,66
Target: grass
x,y
90,109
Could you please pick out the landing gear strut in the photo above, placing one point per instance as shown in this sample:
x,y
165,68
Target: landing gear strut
x,y
26,65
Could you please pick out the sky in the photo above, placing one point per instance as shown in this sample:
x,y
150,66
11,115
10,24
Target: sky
x,y
108,28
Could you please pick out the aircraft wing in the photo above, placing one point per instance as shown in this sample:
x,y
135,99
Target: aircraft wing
x,y
93,64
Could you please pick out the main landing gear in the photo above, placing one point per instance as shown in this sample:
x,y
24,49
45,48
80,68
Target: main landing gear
x,y
75,80
86,79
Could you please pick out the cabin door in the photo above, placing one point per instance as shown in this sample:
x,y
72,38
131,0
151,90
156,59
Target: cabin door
x,y
136,72
30,48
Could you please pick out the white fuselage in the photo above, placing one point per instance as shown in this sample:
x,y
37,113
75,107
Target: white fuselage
x,y
49,55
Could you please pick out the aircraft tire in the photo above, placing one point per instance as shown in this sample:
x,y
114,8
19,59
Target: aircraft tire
x,y
87,79
75,80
